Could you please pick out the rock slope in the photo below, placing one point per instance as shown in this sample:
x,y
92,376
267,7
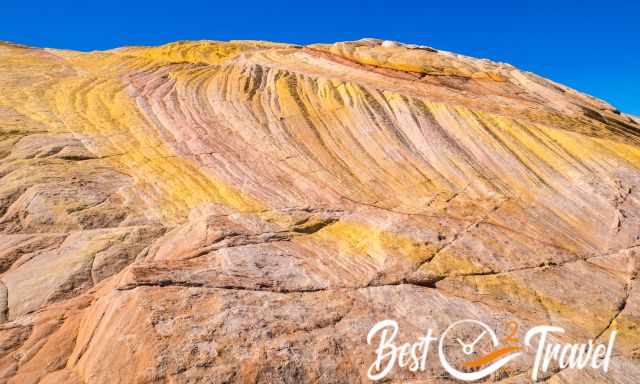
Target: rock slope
x,y
245,211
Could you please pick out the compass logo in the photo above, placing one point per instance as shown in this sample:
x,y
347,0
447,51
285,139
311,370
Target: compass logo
x,y
470,350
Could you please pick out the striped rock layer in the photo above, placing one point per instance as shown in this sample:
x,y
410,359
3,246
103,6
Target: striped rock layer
x,y
245,211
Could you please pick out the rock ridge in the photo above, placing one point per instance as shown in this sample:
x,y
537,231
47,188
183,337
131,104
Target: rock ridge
x,y
245,211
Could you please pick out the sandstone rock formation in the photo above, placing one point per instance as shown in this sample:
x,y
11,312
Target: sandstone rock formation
x,y
217,212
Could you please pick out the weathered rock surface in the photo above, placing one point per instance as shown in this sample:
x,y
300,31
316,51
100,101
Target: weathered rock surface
x,y
245,211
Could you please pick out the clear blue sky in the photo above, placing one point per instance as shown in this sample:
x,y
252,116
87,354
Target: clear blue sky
x,y
593,46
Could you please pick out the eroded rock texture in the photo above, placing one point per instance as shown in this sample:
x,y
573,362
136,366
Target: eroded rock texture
x,y
244,212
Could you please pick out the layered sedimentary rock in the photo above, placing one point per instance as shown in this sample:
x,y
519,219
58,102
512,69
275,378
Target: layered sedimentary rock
x,y
246,211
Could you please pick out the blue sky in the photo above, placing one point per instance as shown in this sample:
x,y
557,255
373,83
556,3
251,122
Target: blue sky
x,y
593,46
